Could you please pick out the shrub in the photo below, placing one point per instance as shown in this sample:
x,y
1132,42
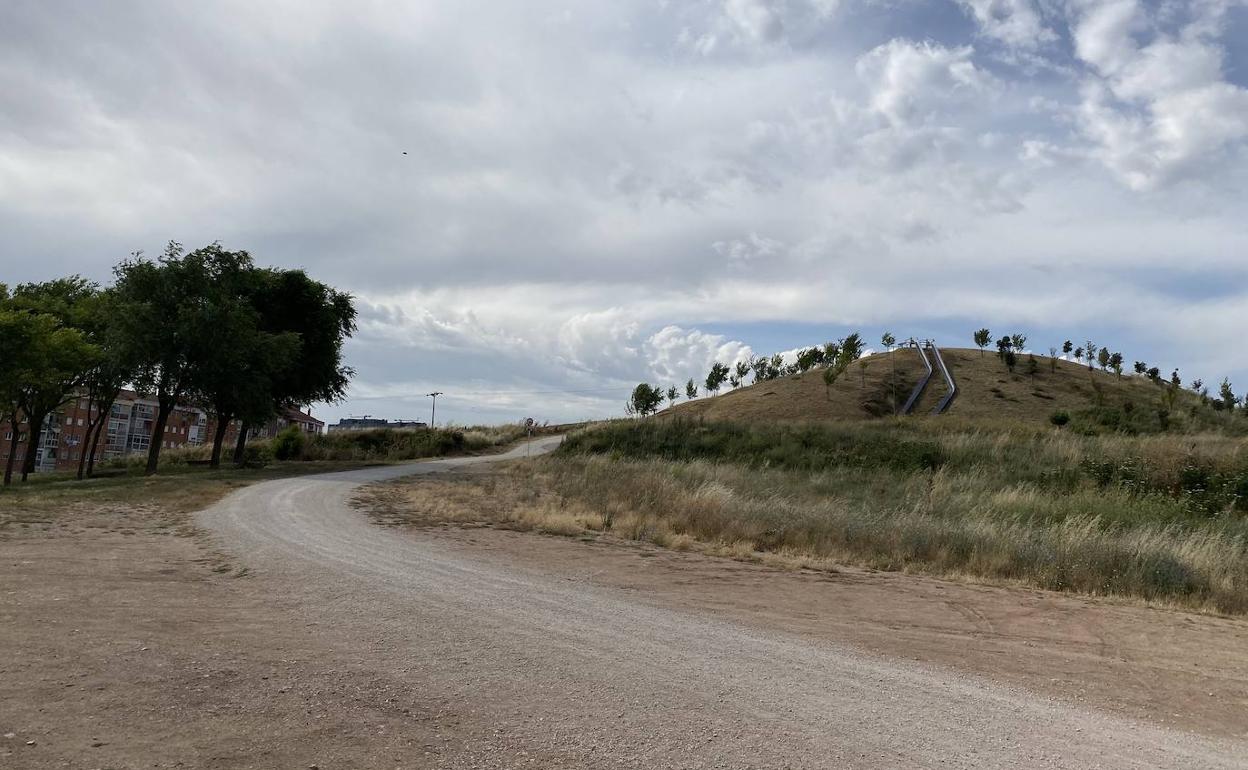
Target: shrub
x,y
1059,418
289,444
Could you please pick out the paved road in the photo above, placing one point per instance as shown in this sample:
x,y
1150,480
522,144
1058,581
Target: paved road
x,y
547,672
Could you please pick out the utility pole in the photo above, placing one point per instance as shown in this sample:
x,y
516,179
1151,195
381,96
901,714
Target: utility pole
x,y
433,417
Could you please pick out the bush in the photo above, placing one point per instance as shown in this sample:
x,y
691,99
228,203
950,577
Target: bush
x,y
289,444
1059,418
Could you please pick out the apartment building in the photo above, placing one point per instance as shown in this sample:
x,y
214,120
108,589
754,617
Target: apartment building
x,y
63,436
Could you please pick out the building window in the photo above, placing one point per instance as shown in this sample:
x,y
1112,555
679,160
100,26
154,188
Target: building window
x,y
79,422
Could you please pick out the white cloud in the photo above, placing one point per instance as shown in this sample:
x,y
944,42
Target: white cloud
x,y
1016,23
909,80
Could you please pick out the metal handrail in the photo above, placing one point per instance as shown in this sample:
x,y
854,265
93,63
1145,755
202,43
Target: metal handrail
x,y
953,386
918,388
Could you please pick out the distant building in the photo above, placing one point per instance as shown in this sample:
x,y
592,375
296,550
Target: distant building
x,y
372,423
63,435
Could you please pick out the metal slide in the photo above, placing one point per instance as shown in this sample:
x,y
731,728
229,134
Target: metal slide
x,y
944,370
918,389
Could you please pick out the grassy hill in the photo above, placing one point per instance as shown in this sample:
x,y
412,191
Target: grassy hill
x,y
987,391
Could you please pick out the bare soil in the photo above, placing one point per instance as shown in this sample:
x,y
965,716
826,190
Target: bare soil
x,y
159,646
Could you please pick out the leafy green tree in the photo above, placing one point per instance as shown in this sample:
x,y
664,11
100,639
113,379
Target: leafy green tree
x,y
809,358
1089,350
742,370
1115,362
830,375
1004,344
1067,347
830,351
1227,395
323,318
1011,359
1141,367
691,389
983,338
1154,374
59,357
1033,366
1019,341
888,341
850,349
646,399
114,367
1079,354
716,377
172,322
36,352
672,395
1103,358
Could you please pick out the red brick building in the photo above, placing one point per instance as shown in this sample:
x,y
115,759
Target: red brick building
x,y
63,436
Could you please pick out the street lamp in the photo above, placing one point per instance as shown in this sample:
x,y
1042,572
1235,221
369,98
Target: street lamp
x,y
434,414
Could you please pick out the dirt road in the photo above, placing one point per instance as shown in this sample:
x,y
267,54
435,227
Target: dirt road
x,y
548,672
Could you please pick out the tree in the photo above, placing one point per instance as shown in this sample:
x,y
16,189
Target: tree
x,y
809,358
691,389
1032,366
289,302
1227,395
1019,341
1011,360
1115,362
1103,358
58,356
850,348
742,370
1089,350
114,367
716,377
1067,347
1154,374
173,312
646,399
830,376
672,395
830,351
1172,392
1052,359
734,381
1140,367
888,341
983,338
1079,354
1004,344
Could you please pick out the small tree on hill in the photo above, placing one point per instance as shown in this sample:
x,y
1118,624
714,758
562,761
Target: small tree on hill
x,y
742,370
888,341
646,399
1102,358
672,395
1011,360
1032,366
1019,342
1079,354
1141,367
1089,350
691,389
1067,347
809,358
716,377
1154,374
1227,395
1115,363
1052,359
983,338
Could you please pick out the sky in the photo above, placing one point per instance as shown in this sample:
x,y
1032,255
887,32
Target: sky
x,y
540,203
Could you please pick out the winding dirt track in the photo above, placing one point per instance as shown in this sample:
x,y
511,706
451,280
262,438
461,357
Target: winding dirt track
x,y
546,672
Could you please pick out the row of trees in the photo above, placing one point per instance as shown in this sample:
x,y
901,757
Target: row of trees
x,y
205,326
832,357
1009,347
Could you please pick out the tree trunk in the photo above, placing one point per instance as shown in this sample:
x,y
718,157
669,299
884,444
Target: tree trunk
x,y
218,438
8,467
106,410
32,445
158,433
86,444
241,444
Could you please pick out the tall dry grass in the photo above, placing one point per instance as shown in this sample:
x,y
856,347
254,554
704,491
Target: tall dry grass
x,y
1157,517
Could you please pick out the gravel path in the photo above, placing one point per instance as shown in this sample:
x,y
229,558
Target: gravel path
x,y
550,672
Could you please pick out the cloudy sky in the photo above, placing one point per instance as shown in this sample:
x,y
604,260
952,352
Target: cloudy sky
x,y
539,203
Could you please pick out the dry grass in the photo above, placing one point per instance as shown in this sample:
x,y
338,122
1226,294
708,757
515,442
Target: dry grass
x,y
1155,518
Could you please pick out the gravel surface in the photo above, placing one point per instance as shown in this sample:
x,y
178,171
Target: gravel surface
x,y
542,671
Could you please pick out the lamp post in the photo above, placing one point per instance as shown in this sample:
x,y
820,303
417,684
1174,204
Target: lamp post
x,y
433,416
